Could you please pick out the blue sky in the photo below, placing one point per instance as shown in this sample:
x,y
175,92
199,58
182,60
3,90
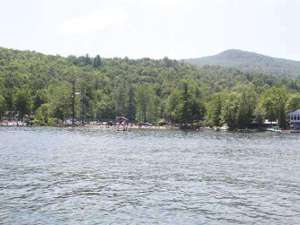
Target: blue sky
x,y
151,28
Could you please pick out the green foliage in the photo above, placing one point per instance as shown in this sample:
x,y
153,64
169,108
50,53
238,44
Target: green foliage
x,y
293,102
172,106
2,105
23,102
273,105
230,110
104,108
214,109
145,108
39,98
246,106
190,108
120,97
131,104
97,61
42,115
143,90
59,100
251,62
237,108
184,104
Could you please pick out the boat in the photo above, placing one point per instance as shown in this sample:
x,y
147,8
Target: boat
x,y
274,129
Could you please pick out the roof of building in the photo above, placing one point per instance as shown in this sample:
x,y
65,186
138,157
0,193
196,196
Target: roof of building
x,y
295,112
121,118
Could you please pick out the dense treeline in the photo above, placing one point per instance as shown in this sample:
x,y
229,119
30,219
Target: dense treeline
x,y
42,87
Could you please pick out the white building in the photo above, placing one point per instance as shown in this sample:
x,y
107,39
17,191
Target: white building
x,y
294,118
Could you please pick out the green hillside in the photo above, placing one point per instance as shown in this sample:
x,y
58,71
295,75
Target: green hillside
x,y
41,86
251,62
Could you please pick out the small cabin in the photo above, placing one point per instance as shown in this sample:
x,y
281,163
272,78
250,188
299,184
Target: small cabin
x,y
294,118
122,122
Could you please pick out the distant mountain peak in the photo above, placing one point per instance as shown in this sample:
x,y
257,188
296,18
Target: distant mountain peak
x,y
250,62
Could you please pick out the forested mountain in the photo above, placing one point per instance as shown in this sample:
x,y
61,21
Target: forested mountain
x,y
42,87
251,62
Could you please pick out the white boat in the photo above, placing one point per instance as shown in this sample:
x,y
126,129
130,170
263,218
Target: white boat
x,y
274,129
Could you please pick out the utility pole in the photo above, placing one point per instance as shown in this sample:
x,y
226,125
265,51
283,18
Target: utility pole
x,y
82,101
73,102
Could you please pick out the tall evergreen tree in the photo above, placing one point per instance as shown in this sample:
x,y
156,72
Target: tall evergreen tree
x,y
131,104
97,61
23,103
214,110
2,106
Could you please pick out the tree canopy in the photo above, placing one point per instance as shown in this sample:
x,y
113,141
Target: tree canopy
x,y
143,90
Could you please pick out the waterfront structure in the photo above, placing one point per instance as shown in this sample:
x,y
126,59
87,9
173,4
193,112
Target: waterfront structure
x,y
294,119
121,123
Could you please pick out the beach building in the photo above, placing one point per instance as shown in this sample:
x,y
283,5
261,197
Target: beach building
x,y
294,119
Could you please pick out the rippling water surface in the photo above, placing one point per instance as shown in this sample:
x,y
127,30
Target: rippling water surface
x,y
92,176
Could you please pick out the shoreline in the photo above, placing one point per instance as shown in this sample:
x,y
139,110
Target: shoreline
x,y
153,127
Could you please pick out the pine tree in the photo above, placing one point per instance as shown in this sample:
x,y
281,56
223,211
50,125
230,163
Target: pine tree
x,y
97,61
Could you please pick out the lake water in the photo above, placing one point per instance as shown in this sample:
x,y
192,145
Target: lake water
x,y
93,176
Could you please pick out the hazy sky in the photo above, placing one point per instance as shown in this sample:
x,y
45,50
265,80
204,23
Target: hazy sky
x,y
151,28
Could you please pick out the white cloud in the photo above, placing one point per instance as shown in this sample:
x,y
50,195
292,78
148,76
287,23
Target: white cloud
x,y
99,20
